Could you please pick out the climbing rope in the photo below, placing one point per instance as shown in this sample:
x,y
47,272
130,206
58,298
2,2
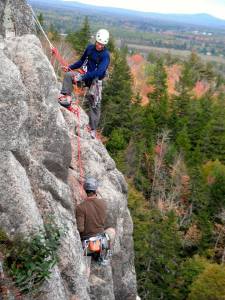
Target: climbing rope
x,y
40,27
76,110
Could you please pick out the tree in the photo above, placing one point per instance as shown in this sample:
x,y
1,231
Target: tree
x,y
190,269
159,97
200,114
215,136
40,18
117,95
183,141
111,45
116,141
157,247
53,33
214,172
210,284
191,73
80,39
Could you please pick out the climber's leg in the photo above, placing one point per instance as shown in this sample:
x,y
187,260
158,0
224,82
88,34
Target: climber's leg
x,y
67,86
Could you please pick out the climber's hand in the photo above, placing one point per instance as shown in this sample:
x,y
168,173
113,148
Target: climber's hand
x,y
65,68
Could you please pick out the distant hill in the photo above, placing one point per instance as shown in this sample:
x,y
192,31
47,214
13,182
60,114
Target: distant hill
x,y
194,19
202,19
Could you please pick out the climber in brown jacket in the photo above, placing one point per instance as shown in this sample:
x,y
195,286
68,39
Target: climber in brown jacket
x,y
91,214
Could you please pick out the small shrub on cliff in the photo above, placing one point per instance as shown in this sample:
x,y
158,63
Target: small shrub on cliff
x,y
29,260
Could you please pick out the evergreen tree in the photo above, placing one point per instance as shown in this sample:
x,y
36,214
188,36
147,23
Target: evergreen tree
x,y
157,248
214,172
80,39
40,18
200,199
159,97
183,141
111,45
189,270
184,89
154,119
117,95
215,136
200,114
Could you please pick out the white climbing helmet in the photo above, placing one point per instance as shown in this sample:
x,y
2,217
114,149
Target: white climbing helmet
x,y
102,36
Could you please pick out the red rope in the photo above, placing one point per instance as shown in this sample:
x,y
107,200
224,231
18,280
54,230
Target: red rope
x,y
76,111
57,56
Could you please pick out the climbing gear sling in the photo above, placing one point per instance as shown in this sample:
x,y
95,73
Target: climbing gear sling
x,y
98,247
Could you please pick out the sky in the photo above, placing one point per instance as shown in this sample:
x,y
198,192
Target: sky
x,y
212,7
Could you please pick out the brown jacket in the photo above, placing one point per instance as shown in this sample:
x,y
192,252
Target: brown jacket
x,y
91,216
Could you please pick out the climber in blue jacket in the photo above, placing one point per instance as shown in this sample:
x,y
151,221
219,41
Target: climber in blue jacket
x,y
94,62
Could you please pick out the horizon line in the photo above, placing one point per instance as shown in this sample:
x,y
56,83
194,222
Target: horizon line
x,y
146,12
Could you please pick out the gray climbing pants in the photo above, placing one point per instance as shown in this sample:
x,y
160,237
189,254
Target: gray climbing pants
x,y
67,86
93,96
94,112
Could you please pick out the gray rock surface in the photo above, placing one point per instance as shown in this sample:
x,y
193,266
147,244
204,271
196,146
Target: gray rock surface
x,y
15,18
39,174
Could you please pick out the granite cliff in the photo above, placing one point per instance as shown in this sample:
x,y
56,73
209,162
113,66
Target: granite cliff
x,y
38,167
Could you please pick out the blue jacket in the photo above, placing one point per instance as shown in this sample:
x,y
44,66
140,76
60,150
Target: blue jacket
x,y
96,62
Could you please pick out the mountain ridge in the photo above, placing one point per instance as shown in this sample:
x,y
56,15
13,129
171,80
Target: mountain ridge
x,y
198,19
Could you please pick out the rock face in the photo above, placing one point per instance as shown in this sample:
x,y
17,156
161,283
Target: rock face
x,y
39,174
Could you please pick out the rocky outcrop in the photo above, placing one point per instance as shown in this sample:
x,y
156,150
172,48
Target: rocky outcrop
x,y
15,18
39,174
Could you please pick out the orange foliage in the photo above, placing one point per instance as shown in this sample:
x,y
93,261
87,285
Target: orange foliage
x,y
201,88
158,149
193,235
173,75
137,66
136,59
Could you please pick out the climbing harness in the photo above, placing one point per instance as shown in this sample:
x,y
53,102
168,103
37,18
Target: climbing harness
x,y
95,92
98,247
